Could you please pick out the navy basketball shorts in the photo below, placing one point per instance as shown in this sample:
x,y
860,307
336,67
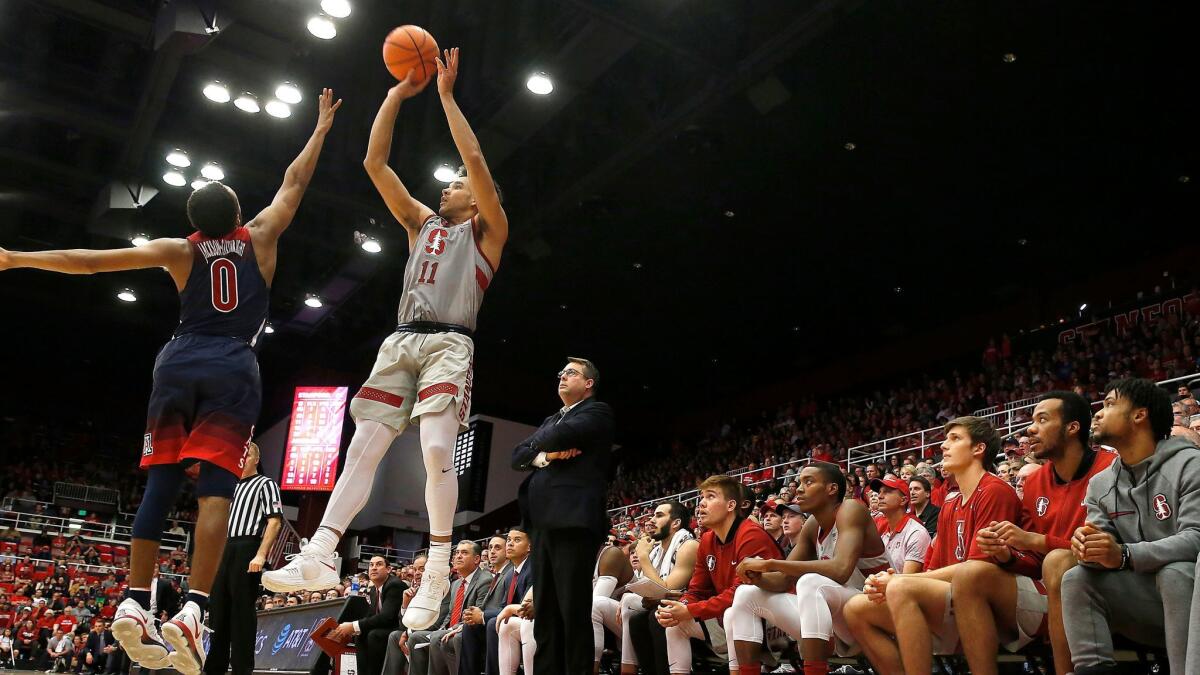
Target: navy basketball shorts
x,y
205,402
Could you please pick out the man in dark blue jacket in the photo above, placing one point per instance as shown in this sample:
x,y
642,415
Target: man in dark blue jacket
x,y
508,588
562,503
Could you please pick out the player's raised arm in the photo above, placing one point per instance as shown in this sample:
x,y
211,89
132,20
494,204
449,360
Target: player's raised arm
x,y
410,212
173,254
494,222
276,217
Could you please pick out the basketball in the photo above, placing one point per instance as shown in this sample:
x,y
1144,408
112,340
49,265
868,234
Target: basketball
x,y
410,48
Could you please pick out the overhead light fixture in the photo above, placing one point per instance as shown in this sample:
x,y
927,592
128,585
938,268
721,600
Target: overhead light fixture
x,y
216,91
338,9
445,174
199,183
850,146
212,172
178,158
321,26
313,301
247,102
540,84
139,239
1083,307
371,245
174,178
288,93
1009,57
126,295
269,329
278,109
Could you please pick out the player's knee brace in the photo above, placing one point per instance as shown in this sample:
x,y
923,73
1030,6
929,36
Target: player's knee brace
x,y
214,481
162,488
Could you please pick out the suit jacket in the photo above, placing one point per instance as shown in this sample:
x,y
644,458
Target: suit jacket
x,y
499,594
472,598
388,616
495,598
568,493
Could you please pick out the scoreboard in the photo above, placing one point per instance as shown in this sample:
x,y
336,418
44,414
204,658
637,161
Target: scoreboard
x,y
314,437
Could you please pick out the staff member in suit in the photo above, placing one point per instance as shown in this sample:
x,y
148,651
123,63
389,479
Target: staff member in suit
x,y
569,459
385,598
479,646
255,519
416,647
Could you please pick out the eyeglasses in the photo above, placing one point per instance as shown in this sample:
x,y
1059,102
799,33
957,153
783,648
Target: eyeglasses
x,y
569,372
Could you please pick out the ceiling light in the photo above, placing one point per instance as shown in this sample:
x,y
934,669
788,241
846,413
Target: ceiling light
x,y
175,178
199,183
178,158
288,93
540,84
247,102
850,146
126,295
212,172
278,109
322,26
1083,307
216,91
1009,57
1185,179
445,174
139,240
372,245
269,329
313,301
338,9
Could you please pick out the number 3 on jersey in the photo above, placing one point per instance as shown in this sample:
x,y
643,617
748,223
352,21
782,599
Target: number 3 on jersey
x,y
428,272
224,285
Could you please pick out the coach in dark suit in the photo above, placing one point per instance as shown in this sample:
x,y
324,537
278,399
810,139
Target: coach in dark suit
x,y
562,502
385,598
478,650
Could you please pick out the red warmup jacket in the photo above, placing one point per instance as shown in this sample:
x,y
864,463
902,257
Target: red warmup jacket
x,y
959,523
1055,509
710,592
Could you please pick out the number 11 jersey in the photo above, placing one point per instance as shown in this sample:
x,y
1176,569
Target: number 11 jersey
x,y
446,275
225,294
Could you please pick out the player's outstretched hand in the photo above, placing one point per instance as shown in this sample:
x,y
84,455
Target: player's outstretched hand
x,y
408,87
447,70
326,109
5,260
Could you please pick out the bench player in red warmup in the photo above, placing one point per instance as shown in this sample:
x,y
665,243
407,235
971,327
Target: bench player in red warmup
x,y
207,390
423,371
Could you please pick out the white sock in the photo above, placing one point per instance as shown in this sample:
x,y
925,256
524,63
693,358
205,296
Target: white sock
x,y
370,443
438,433
324,541
439,555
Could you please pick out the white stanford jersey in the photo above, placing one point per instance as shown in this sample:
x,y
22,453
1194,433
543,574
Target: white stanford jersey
x,y
446,275
827,544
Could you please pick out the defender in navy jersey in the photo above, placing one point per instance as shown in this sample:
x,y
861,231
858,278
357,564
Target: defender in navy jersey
x,y
423,372
207,390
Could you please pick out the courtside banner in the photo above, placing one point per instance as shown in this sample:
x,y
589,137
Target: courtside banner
x,y
314,436
283,641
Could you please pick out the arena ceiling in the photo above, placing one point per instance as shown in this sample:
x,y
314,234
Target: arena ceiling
x,y
717,196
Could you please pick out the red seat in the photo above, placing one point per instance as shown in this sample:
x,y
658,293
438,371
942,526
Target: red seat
x,y
104,548
106,558
8,547
6,587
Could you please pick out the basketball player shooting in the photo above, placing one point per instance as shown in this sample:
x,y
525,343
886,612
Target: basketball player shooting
x,y
207,391
423,371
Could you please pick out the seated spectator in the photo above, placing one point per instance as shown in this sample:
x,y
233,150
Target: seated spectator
x,y
919,492
772,524
988,597
728,540
838,546
27,641
905,539
1135,574
899,618
60,648
94,656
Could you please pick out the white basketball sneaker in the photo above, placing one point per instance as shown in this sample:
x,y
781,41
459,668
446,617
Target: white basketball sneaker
x,y
305,571
185,634
425,606
134,628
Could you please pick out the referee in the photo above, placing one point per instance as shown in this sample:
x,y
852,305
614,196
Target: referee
x,y
255,518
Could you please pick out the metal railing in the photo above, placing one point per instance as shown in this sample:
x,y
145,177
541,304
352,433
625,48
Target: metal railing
x,y
31,523
691,495
287,543
86,493
395,556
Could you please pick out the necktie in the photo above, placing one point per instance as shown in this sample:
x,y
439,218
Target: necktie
x,y
378,606
561,414
512,587
456,614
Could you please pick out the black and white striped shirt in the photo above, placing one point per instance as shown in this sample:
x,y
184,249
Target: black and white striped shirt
x,y
255,499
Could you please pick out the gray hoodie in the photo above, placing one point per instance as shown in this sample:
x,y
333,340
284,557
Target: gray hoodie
x,y
1152,506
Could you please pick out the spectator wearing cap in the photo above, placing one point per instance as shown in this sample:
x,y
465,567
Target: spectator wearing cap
x,y
792,522
905,539
772,522
919,504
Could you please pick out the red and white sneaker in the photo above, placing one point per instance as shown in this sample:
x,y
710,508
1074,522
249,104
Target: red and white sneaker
x,y
305,571
185,634
134,628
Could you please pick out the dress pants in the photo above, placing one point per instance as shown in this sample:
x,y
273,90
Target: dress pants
x,y
231,613
371,648
443,656
472,653
563,562
649,642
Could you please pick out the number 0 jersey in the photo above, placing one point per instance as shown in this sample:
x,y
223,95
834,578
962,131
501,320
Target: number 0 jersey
x,y
225,294
445,276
